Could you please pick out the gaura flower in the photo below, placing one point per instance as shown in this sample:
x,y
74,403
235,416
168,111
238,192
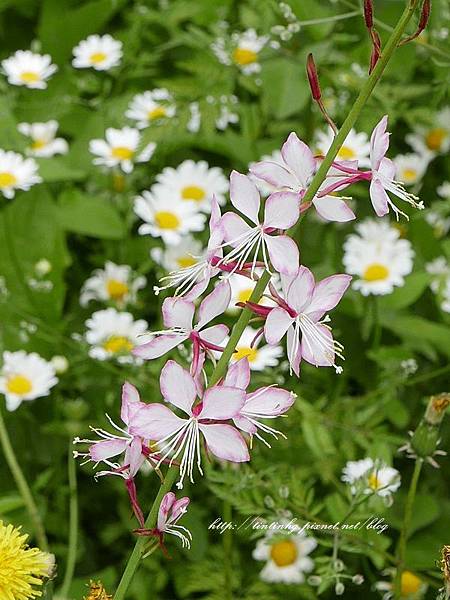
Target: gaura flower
x,y
168,220
286,557
181,437
191,280
22,569
170,512
378,256
295,173
119,149
265,188
113,335
300,315
99,52
371,477
16,173
281,211
178,315
150,107
383,173
29,69
410,168
114,283
191,181
44,143
260,357
25,377
264,403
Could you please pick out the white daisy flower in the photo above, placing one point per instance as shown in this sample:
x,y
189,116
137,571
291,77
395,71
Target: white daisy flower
x,y
113,283
192,182
429,141
355,147
16,173
119,149
151,106
44,143
444,190
411,586
259,357
264,187
286,557
195,118
25,377
378,257
168,220
371,477
29,69
99,52
410,168
184,254
242,50
439,268
242,288
114,334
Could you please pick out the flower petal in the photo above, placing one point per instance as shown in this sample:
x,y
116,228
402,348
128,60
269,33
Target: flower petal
x,y
275,174
244,196
269,401
282,210
178,312
158,346
214,304
179,508
379,198
222,402
301,290
225,442
294,355
379,143
245,424
238,374
234,228
134,457
317,348
332,208
156,421
131,402
164,509
283,253
214,334
299,158
106,449
328,293
277,323
178,386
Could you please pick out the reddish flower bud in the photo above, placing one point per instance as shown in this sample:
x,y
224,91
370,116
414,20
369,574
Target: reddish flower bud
x,y
423,22
376,50
313,78
368,13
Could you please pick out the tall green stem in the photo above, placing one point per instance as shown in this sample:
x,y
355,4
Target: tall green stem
x,y
401,550
23,486
73,525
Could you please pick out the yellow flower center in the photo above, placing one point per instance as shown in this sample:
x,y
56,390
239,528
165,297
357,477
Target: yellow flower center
x,y
19,384
167,220
435,137
374,482
186,261
376,272
284,553
244,56
244,295
97,57
410,583
7,180
116,289
193,192
246,351
29,77
409,174
122,152
38,144
117,343
156,113
346,153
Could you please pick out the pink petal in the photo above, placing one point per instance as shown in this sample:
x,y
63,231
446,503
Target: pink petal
x,y
293,357
315,352
277,323
282,210
215,334
379,198
131,402
159,346
164,509
225,442
134,456
178,312
301,290
387,168
199,287
244,196
106,449
179,508
214,304
328,293
215,218
177,386
332,208
283,253
299,158
238,374
275,174
222,402
269,401
244,424
234,228
156,421
379,143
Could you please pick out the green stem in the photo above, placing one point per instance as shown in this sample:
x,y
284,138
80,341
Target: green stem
x,y
73,525
23,486
401,550
359,104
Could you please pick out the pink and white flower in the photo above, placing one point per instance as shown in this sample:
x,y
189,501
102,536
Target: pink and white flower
x,y
281,211
181,437
301,316
170,512
383,173
295,175
178,315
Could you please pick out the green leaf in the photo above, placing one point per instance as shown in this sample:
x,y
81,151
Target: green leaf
x,y
10,502
59,169
80,213
285,90
404,296
416,330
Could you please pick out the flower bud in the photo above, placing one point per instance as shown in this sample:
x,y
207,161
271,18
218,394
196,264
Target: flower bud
x,y
313,78
423,22
339,588
426,436
368,13
358,579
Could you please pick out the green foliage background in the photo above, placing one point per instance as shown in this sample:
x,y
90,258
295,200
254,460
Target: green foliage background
x,y
76,220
